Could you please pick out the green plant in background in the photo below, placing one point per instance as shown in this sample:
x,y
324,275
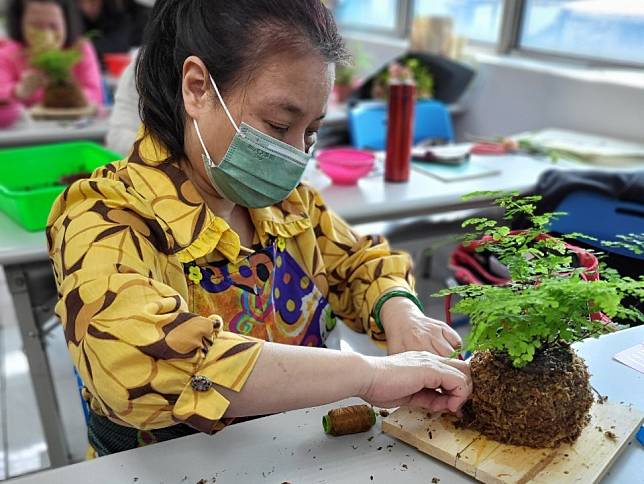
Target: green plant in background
x,y
547,302
57,64
346,74
417,71
423,78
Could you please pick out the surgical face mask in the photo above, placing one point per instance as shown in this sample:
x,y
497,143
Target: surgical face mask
x,y
258,170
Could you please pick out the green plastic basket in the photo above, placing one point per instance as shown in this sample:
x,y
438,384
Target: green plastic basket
x,y
29,177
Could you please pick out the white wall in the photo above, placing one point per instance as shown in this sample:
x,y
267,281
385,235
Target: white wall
x,y
511,95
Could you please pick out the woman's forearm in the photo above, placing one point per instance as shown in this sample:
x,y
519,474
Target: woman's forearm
x,y
290,377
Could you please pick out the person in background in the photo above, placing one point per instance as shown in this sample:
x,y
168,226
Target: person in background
x,y
124,120
44,24
198,278
113,25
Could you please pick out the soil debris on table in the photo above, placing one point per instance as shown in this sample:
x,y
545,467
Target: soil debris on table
x,y
610,435
435,480
383,412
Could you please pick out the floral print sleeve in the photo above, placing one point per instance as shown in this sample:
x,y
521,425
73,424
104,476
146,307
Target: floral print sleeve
x,y
359,269
146,360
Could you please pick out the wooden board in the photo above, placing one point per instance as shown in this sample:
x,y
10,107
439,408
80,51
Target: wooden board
x,y
586,461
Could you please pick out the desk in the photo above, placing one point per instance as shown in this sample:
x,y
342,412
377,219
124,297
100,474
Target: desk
x,y
373,200
24,255
31,132
292,447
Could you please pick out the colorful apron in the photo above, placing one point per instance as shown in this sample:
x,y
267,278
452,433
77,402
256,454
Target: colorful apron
x,y
267,295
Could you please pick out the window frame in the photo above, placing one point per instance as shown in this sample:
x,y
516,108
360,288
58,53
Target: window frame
x,y
544,54
402,25
508,41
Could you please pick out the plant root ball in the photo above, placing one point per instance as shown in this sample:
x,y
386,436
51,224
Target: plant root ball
x,y
64,95
544,404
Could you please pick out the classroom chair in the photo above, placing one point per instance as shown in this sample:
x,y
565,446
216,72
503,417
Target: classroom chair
x,y
368,123
602,217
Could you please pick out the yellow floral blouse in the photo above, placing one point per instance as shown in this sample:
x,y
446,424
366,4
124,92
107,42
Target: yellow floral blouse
x,y
118,242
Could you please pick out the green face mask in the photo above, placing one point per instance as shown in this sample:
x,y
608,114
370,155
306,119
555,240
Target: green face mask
x,y
258,170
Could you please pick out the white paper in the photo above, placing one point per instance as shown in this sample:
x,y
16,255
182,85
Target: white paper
x,y
633,357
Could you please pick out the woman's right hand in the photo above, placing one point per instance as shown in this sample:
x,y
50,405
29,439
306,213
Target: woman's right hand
x,y
30,82
414,378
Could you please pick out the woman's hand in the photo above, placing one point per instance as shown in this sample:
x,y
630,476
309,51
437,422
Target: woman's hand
x,y
414,379
30,82
408,329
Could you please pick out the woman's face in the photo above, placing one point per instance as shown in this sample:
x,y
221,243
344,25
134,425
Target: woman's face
x,y
44,23
286,99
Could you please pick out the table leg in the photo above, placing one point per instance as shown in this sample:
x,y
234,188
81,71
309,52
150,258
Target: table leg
x,y
35,350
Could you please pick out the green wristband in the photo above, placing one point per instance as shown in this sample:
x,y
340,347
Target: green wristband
x,y
386,297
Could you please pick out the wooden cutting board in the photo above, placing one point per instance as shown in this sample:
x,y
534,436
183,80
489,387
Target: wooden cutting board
x,y
586,461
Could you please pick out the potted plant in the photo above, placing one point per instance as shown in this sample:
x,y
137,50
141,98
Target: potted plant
x,y
346,75
410,68
62,91
344,82
530,388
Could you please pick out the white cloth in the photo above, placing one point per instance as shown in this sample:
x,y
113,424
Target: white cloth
x,y
124,120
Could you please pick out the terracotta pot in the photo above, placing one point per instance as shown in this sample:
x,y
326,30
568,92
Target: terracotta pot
x,y
342,92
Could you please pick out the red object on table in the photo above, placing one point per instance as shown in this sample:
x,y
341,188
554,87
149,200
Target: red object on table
x,y
116,62
400,131
488,149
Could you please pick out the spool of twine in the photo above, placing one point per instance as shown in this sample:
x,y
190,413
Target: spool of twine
x,y
349,420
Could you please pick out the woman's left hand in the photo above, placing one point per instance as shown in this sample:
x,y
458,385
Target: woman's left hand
x,y
408,329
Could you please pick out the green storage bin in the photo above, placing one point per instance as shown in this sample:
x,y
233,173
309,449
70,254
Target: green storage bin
x,y
29,177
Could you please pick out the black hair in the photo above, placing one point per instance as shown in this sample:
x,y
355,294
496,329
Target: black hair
x,y
73,23
232,38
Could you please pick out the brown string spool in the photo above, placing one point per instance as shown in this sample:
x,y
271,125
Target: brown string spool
x,y
349,420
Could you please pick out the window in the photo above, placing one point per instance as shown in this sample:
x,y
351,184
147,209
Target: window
x,y
611,30
478,20
367,14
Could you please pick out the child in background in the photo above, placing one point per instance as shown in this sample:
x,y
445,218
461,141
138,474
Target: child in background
x,y
35,26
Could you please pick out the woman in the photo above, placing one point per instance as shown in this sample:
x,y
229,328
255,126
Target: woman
x,y
198,279
35,25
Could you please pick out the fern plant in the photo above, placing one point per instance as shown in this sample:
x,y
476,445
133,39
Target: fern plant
x,y
548,301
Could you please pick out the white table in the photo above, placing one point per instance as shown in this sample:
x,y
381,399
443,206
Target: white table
x,y
373,200
292,446
31,132
24,255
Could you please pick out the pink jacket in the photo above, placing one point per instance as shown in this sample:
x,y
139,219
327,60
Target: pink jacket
x,y
13,62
